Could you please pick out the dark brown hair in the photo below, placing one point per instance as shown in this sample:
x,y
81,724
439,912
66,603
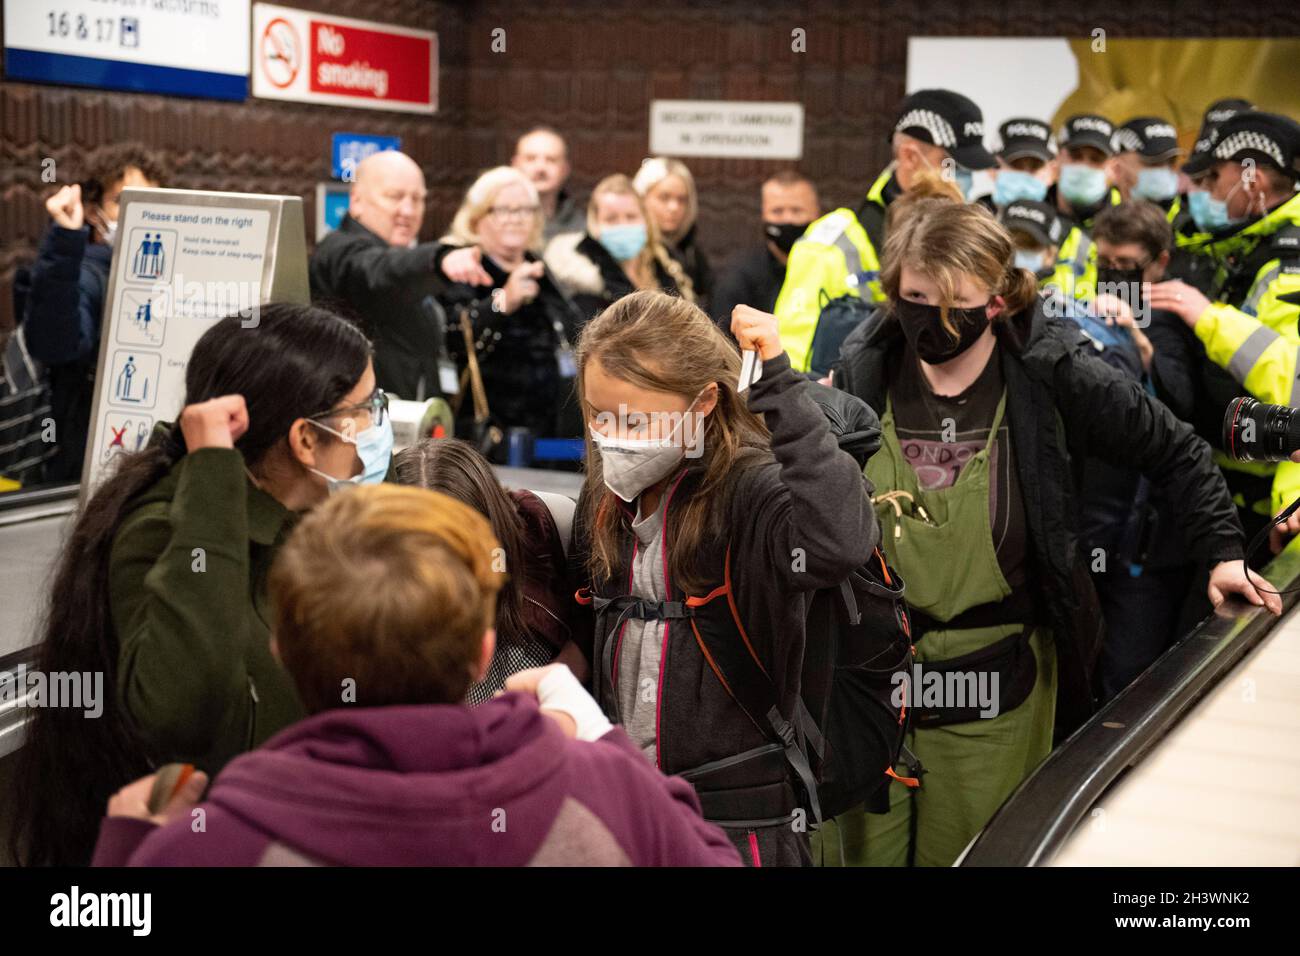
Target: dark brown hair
x,y
456,468
1135,221
107,164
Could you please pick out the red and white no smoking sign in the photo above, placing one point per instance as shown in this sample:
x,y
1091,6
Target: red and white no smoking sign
x,y
314,58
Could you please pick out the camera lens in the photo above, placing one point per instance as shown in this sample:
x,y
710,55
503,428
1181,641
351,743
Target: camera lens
x,y
1254,431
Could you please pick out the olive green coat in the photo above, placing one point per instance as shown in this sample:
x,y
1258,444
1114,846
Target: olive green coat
x,y
187,589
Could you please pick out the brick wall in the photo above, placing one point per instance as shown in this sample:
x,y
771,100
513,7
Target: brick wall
x,y
588,67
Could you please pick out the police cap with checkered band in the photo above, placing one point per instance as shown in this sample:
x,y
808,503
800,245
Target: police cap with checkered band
x,y
1268,138
1217,113
948,120
1152,137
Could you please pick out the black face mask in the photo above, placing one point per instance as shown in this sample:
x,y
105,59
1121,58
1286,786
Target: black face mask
x,y
1124,284
784,234
924,329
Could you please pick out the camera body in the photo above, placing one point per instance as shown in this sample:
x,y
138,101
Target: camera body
x,y
1255,431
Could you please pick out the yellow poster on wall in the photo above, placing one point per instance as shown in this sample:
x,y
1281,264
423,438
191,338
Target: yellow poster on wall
x,y
1178,79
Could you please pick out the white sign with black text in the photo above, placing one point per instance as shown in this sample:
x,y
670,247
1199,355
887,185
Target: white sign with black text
x,y
725,129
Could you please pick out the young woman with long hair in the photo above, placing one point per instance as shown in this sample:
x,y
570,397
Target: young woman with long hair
x,y
161,586
708,511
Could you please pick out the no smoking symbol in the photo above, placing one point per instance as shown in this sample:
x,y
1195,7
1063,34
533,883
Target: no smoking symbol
x,y
281,52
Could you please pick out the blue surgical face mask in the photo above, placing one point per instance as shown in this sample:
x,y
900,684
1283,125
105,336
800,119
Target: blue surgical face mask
x,y
624,242
1014,184
1210,214
1158,185
374,448
1082,185
964,178
1035,262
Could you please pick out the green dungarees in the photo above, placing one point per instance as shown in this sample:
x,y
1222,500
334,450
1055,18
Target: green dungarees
x,y
950,564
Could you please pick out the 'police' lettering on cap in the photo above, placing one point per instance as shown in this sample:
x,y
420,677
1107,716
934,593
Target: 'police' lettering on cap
x,y
1151,137
1022,136
1037,219
948,120
1088,129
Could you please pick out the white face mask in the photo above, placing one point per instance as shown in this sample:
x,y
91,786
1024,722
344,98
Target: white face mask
x,y
631,465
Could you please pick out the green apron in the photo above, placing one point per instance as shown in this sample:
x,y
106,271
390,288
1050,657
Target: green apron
x,y
949,564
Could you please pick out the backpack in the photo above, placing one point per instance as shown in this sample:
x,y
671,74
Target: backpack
x,y
837,318
1111,343
851,718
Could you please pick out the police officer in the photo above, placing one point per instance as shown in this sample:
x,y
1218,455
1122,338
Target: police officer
x,y
1026,162
840,253
1188,263
1146,165
1083,188
1036,231
1251,211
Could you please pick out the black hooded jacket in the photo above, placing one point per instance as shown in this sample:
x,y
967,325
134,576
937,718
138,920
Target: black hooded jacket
x,y
1065,405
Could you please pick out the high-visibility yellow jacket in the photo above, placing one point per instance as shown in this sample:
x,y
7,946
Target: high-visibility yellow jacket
x,y
834,257
1248,330
1075,272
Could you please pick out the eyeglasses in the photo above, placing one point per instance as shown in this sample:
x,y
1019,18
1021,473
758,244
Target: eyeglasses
x,y
516,213
376,405
1122,267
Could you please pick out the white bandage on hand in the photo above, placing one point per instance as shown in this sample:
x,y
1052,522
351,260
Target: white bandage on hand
x,y
560,690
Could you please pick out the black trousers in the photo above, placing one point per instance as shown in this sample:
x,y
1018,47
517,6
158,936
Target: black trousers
x,y
1144,616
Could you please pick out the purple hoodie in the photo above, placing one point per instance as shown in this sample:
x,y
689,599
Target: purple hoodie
x,y
496,785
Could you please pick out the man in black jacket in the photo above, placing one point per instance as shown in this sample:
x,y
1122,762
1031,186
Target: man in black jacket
x,y
372,269
755,276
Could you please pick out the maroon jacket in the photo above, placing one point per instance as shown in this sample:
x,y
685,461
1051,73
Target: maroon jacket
x,y
496,785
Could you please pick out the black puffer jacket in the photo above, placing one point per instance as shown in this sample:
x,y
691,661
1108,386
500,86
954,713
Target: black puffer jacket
x,y
690,254
1064,405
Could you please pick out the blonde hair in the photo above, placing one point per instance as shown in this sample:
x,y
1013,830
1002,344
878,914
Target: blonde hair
x,y
660,342
479,199
654,251
926,184
390,587
655,170
946,240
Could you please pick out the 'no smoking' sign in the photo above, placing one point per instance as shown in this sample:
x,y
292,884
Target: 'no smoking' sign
x,y
281,52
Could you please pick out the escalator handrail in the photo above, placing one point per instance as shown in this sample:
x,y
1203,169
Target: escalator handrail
x,y
1045,809
42,495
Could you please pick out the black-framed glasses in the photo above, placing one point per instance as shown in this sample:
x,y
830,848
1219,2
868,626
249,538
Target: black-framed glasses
x,y
1109,264
376,404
